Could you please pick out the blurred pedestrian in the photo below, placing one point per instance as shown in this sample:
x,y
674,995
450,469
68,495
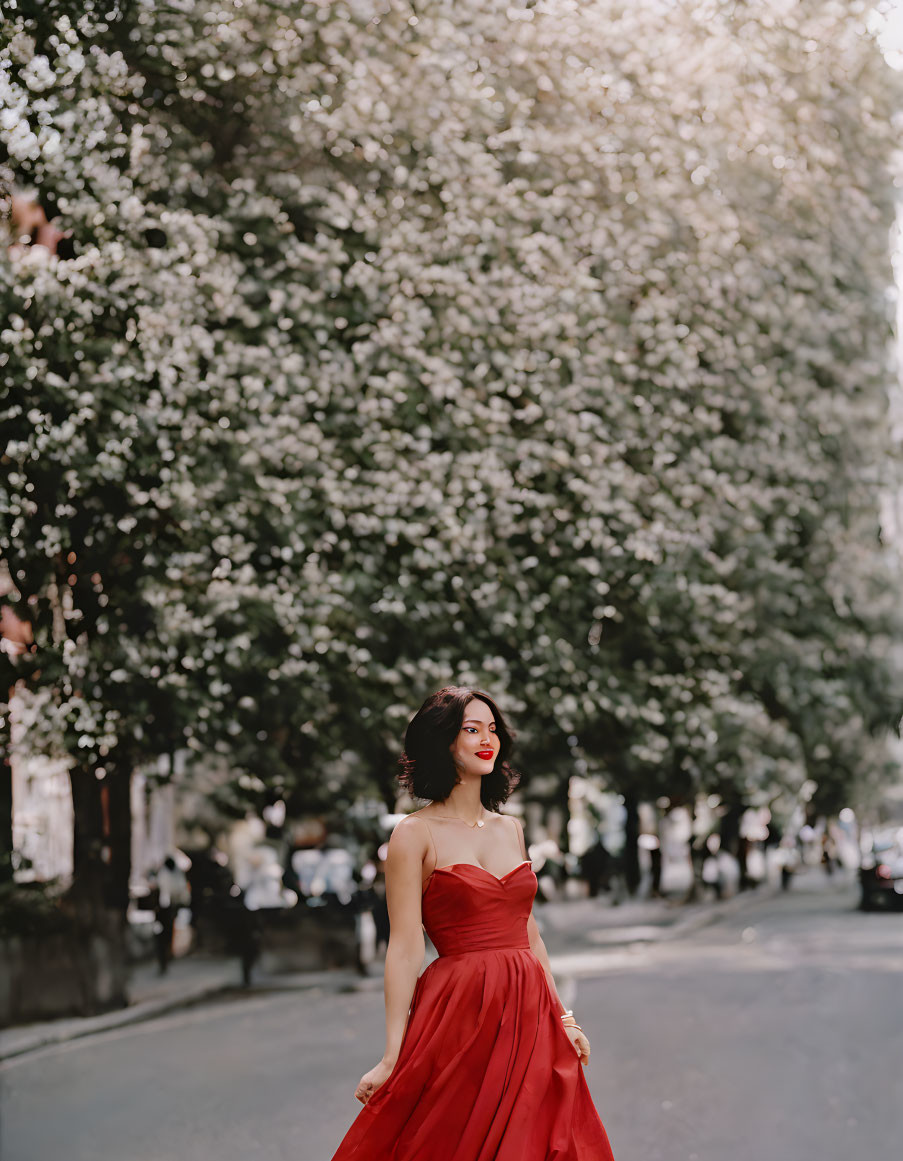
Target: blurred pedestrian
x,y
171,893
596,865
789,861
828,853
655,867
380,907
247,937
711,869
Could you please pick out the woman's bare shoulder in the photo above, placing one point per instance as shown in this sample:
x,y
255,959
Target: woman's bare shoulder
x,y
415,816
409,831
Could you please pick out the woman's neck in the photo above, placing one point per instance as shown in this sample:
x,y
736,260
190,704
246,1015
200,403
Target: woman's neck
x,y
463,802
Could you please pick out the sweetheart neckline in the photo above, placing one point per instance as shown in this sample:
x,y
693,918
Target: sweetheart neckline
x,y
498,878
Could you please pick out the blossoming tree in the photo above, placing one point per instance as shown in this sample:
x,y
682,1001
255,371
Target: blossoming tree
x,y
539,345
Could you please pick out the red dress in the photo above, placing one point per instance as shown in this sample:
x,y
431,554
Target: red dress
x,y
486,1071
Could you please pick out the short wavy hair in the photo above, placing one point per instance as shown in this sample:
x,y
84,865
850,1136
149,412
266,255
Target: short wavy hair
x,y
427,767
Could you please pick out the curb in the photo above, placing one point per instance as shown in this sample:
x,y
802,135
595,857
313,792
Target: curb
x,y
23,1043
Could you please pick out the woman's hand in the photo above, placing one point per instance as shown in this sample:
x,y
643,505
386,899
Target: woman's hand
x,y
579,1041
372,1080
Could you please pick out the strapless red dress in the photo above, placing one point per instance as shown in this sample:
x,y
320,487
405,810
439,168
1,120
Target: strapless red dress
x,y
486,1071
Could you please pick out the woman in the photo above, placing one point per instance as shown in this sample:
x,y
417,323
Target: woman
x,y
482,1062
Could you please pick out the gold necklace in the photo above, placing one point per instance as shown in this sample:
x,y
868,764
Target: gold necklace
x,y
457,818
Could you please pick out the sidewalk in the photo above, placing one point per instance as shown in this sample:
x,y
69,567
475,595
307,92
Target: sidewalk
x,y
188,981
578,933
587,936
579,924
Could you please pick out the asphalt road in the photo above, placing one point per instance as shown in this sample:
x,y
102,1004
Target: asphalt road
x,y
776,1033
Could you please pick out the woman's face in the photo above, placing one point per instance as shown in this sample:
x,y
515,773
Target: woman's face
x,y
476,747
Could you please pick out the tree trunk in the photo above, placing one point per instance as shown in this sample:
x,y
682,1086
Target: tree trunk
x,y
730,837
102,840
655,859
90,851
6,820
696,855
119,838
6,804
564,803
631,845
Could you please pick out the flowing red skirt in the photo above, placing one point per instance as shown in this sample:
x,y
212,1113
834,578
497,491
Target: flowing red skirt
x,y
486,1072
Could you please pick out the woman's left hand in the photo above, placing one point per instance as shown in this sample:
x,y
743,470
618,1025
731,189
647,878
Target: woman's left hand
x,y
580,1043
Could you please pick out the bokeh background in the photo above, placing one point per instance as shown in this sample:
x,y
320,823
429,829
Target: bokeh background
x,y
353,349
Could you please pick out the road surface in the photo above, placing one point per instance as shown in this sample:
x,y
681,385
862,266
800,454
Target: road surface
x,y
775,1033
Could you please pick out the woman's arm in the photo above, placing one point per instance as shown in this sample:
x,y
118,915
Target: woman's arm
x,y
536,944
539,950
404,955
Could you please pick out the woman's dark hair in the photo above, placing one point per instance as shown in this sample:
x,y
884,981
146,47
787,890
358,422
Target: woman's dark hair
x,y
428,770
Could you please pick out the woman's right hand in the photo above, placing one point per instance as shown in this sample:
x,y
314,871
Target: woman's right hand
x,y
372,1080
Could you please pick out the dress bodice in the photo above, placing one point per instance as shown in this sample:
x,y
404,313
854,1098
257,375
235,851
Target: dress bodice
x,y
466,908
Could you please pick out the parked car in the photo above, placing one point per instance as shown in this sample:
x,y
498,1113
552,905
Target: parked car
x,y
881,876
